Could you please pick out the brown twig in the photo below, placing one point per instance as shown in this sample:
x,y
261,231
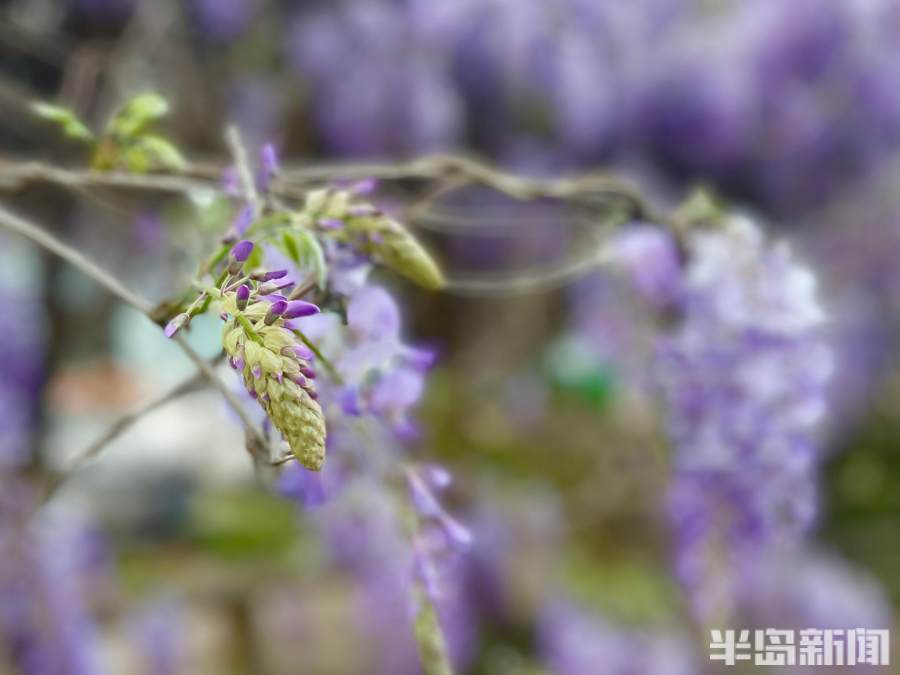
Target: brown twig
x,y
124,423
580,189
16,223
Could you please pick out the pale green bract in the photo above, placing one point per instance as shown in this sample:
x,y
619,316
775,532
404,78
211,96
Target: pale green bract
x,y
373,233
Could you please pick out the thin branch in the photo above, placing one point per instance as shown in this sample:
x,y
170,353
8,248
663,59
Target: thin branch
x,y
19,225
16,176
529,281
582,189
593,192
123,424
255,438
242,166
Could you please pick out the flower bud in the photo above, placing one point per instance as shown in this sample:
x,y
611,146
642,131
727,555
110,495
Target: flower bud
x,y
276,309
239,254
242,297
393,246
176,324
299,351
273,286
298,308
268,276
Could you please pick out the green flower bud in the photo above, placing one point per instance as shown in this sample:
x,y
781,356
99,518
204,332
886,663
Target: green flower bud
x,y
300,420
267,358
393,246
375,234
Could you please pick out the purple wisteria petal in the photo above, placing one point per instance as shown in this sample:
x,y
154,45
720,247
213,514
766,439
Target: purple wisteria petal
x,y
299,308
396,391
243,221
268,167
373,314
302,486
276,310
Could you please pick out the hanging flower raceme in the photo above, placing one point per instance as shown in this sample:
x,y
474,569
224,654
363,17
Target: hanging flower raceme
x,y
275,364
328,248
745,375
438,535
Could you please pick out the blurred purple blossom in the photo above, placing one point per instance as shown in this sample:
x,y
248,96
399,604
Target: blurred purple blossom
x,y
222,19
158,628
388,101
649,256
44,620
745,375
380,374
21,369
575,642
813,589
784,103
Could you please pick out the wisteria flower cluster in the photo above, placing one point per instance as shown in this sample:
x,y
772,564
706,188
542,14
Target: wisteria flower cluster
x,y
274,364
746,376
744,371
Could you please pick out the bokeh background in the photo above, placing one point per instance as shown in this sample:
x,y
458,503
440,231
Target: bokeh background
x,y
171,559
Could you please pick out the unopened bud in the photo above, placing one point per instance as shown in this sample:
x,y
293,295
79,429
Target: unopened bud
x,y
298,308
242,297
276,309
268,276
239,254
273,286
176,324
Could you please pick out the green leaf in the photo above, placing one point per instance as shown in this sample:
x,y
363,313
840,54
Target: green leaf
x,y
302,247
291,247
162,153
65,118
315,258
149,153
270,225
133,158
137,114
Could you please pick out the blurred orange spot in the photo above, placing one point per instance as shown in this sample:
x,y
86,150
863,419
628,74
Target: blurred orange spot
x,y
98,386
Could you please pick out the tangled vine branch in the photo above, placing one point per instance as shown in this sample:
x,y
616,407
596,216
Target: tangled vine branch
x,y
446,172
